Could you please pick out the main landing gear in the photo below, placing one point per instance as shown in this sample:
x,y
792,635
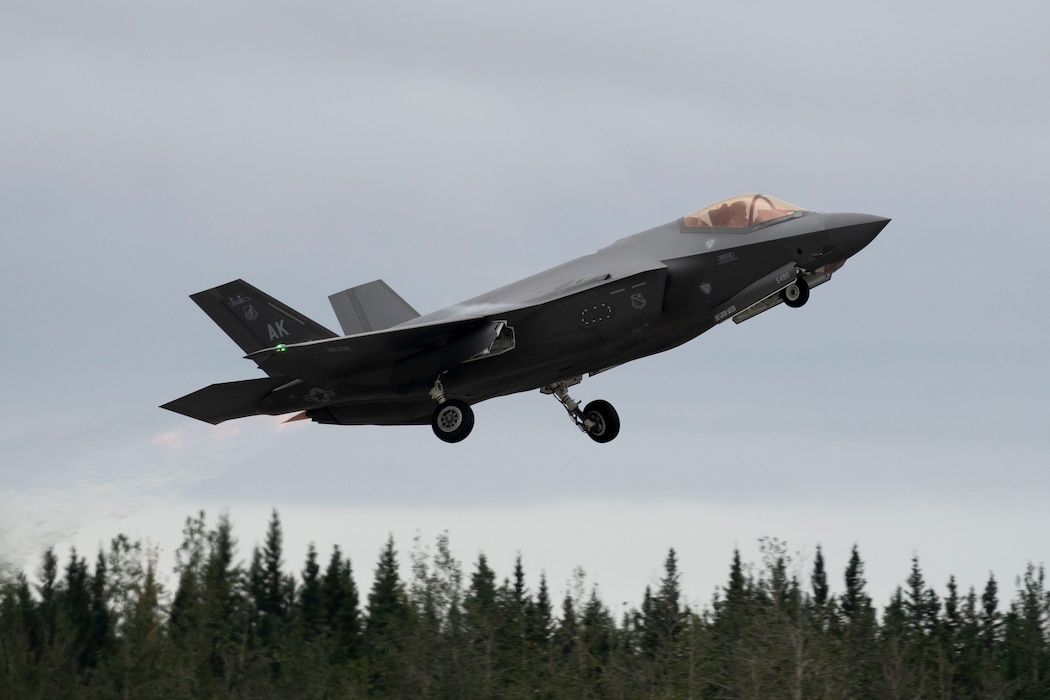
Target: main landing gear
x,y
453,419
598,418
796,294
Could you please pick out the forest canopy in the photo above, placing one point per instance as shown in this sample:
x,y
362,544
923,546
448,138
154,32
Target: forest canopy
x,y
441,630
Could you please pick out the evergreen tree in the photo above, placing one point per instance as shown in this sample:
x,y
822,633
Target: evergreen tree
x,y
667,607
858,627
310,596
1024,637
341,607
271,602
541,619
48,611
19,638
106,634
819,580
990,621
660,623
255,585
271,605
141,665
734,618
76,604
387,624
968,675
948,649
564,667
481,623
220,603
597,643
186,606
921,609
895,638
856,605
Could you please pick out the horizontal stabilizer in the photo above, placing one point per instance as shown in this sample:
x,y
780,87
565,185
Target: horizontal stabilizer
x,y
370,307
220,402
254,319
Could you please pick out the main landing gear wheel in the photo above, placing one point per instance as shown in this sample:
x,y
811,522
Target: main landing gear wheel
x,y
452,420
606,422
795,294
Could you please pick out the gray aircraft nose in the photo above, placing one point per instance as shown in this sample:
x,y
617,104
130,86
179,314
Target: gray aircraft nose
x,y
851,232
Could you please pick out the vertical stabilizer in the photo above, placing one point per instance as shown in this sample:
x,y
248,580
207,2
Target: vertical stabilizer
x,y
254,319
370,307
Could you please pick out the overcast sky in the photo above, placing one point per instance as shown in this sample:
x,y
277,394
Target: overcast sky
x,y
152,150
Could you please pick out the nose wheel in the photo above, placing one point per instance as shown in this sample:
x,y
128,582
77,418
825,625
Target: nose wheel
x,y
598,418
796,294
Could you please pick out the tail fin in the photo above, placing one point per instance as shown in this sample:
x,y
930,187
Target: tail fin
x,y
255,320
370,307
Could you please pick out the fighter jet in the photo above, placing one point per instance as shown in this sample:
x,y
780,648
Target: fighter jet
x,y
642,295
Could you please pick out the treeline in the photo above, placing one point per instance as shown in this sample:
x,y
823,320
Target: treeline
x,y
440,632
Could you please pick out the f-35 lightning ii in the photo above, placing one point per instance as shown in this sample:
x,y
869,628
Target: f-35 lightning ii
x,y
641,295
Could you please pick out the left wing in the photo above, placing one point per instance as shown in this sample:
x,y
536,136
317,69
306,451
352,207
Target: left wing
x,y
405,358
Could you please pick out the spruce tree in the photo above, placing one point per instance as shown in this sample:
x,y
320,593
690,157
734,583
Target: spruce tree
x,y
668,603
48,612
896,660
565,642
271,605
734,615
186,612
857,627
541,622
219,604
990,620
481,623
142,665
76,604
921,615
100,632
597,642
310,596
341,607
856,605
948,636
819,580
387,624
1025,637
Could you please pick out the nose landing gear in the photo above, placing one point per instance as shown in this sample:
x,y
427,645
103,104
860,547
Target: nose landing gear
x,y
796,294
598,418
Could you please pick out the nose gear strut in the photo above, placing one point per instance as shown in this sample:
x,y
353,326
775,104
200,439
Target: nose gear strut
x,y
598,418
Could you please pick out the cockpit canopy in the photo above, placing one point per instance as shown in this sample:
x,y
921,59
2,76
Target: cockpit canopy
x,y
742,211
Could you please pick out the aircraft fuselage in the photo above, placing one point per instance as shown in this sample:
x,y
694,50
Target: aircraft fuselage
x,y
642,295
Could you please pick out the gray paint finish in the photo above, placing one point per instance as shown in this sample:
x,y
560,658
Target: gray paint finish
x,y
642,295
